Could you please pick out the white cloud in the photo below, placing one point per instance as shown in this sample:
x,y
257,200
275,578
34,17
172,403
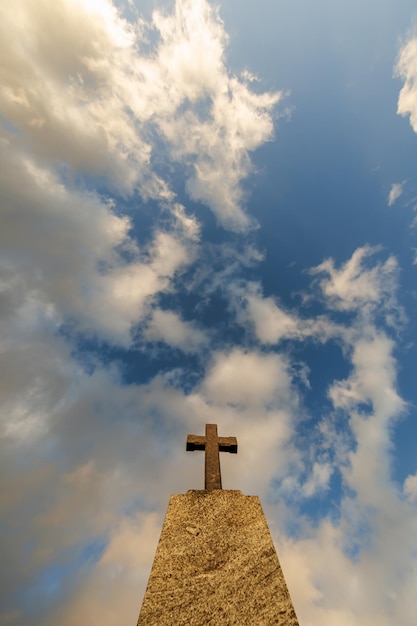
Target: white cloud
x,y
373,376
396,192
318,480
406,69
59,90
65,246
91,98
370,543
271,322
247,378
110,592
371,540
329,587
354,287
215,145
168,327
410,487
71,480
368,397
371,385
123,293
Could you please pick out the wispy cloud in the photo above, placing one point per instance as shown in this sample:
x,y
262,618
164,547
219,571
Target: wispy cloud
x,y
395,193
167,327
406,68
356,286
410,487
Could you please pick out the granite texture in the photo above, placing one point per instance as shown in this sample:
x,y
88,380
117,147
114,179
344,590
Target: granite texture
x,y
216,564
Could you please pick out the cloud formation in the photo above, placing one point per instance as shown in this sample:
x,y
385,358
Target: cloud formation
x,y
396,192
92,99
406,69
356,287
167,327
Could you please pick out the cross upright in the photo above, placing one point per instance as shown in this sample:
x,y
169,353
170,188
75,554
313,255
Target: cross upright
x,y
212,444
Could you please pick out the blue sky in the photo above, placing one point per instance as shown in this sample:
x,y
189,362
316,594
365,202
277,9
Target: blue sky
x,y
208,215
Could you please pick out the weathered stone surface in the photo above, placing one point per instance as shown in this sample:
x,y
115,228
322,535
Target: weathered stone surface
x,y
216,564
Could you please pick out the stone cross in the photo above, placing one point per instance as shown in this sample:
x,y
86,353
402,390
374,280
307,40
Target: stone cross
x,y
212,444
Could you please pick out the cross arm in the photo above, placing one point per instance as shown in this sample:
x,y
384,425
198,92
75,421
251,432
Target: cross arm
x,y
195,442
228,444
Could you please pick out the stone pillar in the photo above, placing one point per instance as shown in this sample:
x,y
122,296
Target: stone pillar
x,y
216,564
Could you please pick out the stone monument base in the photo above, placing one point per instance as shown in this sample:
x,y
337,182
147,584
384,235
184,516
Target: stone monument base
x,y
216,564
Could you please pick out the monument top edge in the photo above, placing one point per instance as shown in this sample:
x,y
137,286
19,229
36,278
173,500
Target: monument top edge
x,y
208,491
212,493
